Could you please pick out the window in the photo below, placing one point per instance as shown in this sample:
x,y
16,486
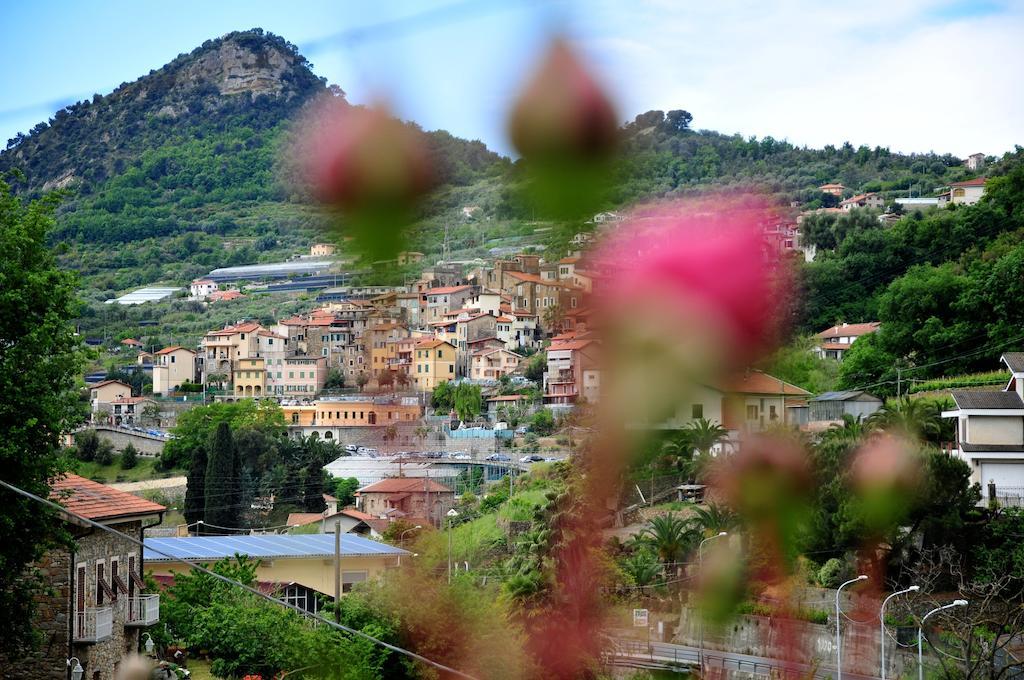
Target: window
x,y
172,358
115,578
752,412
451,368
438,354
772,414
350,578
80,588
697,411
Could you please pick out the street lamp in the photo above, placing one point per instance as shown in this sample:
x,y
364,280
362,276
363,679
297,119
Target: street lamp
x,y
149,644
700,619
920,634
401,537
76,671
452,514
881,620
839,641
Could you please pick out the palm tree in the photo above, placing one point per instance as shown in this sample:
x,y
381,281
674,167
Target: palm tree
x,y
851,430
917,418
678,451
712,519
704,434
643,568
669,535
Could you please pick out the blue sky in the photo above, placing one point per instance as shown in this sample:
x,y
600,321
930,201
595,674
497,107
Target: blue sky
x,y
915,75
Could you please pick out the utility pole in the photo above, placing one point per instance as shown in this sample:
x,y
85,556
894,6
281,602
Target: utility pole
x,y
337,571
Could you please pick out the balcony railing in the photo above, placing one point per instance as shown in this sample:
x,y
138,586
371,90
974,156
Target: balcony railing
x,y
143,610
95,624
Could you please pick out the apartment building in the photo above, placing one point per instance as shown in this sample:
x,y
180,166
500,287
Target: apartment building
x,y
173,366
434,363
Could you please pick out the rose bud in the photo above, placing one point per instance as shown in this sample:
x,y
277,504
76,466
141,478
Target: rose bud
x,y
563,111
356,158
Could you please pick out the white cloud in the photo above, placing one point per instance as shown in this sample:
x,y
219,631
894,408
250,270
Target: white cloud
x,y
891,74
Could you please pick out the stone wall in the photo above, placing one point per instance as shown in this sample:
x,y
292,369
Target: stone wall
x,y
146,446
49,659
100,660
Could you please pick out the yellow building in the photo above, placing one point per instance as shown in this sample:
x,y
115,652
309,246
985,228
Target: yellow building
x,y
433,363
302,564
250,378
353,412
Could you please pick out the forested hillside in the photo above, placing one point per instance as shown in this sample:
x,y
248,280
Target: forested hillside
x,y
180,171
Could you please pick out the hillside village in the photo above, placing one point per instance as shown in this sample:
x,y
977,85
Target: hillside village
x,y
637,401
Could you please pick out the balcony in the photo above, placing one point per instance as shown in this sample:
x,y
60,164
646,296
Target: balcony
x,y
95,624
143,610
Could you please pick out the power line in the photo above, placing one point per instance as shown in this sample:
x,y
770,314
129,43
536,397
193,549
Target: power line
x,y
229,581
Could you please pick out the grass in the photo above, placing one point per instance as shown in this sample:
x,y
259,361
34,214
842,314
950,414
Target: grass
x,y
144,470
955,381
520,507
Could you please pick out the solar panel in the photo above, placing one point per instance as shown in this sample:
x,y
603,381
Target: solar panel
x,y
194,548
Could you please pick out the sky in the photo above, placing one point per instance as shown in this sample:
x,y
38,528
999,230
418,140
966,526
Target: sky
x,y
913,75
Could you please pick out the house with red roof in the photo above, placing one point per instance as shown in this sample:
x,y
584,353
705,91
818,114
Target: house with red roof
x,y
172,367
573,372
870,200
834,342
406,497
103,394
494,362
94,607
200,288
964,193
833,188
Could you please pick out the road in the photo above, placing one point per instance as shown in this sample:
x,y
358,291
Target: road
x,y
671,654
168,483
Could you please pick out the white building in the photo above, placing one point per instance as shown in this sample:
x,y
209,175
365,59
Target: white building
x,y
990,434
200,288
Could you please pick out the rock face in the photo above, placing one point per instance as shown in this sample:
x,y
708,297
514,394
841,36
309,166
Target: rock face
x,y
234,69
251,75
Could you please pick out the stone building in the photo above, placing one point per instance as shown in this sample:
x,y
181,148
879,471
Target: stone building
x,y
94,607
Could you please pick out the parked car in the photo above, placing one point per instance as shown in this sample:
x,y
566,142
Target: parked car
x,y
532,458
522,429
498,457
433,454
462,456
352,448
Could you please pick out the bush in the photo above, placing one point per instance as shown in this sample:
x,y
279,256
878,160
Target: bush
x,y
104,453
543,422
86,444
129,457
833,573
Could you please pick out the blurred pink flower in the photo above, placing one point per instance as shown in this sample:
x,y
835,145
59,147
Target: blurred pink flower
x,y
562,111
356,158
698,269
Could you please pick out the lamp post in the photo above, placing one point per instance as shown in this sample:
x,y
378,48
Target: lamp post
x,y
401,537
700,621
839,641
452,514
76,671
881,620
920,634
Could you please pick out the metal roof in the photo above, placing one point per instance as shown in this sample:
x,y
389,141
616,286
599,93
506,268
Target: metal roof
x,y
206,548
1014,360
846,395
987,400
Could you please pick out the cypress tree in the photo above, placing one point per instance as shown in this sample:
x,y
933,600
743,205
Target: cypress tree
x,y
222,492
195,492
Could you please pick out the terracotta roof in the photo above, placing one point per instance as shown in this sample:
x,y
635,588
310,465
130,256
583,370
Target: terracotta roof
x,y
831,186
445,290
110,382
759,382
489,338
569,345
850,329
398,485
97,501
174,348
569,260
246,327
836,346
503,319
130,400
264,333
199,281
430,343
857,199
976,182
132,342
225,295
355,514
298,519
